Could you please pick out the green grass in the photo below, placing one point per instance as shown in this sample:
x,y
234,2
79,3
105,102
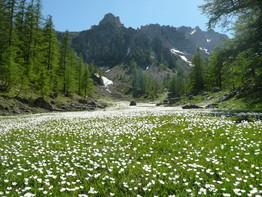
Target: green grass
x,y
251,103
241,105
209,98
182,155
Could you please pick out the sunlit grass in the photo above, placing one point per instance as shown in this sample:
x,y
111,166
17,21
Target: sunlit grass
x,y
122,155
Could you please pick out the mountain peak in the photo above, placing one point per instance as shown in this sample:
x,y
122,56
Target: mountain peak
x,y
111,19
197,28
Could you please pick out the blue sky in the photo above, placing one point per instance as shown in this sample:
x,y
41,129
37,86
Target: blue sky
x,y
77,15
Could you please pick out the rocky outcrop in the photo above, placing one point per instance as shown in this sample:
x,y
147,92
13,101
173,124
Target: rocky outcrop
x,y
212,106
132,103
42,103
110,43
12,106
191,107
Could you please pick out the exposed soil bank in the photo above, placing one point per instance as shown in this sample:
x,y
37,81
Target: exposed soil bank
x,y
13,106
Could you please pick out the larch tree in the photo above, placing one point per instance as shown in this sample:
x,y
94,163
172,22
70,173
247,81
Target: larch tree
x,y
196,77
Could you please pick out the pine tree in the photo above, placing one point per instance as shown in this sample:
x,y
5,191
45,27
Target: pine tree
x,y
80,74
32,59
86,82
28,39
246,44
151,87
8,50
173,88
71,73
196,77
11,6
64,59
50,55
215,69
138,81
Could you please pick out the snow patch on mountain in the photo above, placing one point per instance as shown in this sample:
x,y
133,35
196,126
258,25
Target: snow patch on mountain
x,y
182,56
204,50
209,40
147,68
186,60
177,52
128,51
193,32
107,82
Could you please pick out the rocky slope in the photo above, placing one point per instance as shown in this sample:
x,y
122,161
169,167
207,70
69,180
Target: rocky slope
x,y
110,43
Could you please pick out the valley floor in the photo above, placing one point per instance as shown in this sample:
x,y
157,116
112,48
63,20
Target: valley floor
x,y
130,151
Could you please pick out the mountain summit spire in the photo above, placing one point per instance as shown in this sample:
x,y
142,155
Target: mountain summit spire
x,y
111,19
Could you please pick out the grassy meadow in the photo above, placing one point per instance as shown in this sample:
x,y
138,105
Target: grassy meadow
x,y
130,154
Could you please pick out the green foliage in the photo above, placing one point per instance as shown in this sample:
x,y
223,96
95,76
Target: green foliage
x,y
143,84
224,11
31,58
138,83
151,87
196,75
215,70
176,86
9,68
238,64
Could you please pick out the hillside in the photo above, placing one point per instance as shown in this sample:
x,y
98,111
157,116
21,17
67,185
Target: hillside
x,y
50,70
155,53
110,43
117,111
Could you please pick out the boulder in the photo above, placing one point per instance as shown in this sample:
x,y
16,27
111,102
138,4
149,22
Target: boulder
x,y
24,100
83,101
84,105
132,103
91,105
165,102
42,103
191,107
212,106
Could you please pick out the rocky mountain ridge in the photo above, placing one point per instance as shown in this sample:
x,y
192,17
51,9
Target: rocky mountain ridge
x,y
110,43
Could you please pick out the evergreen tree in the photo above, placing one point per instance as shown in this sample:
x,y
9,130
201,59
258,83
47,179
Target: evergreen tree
x,y
32,59
64,59
8,50
49,59
196,76
87,83
79,74
172,89
246,45
138,80
151,87
71,73
215,69
11,7
28,39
